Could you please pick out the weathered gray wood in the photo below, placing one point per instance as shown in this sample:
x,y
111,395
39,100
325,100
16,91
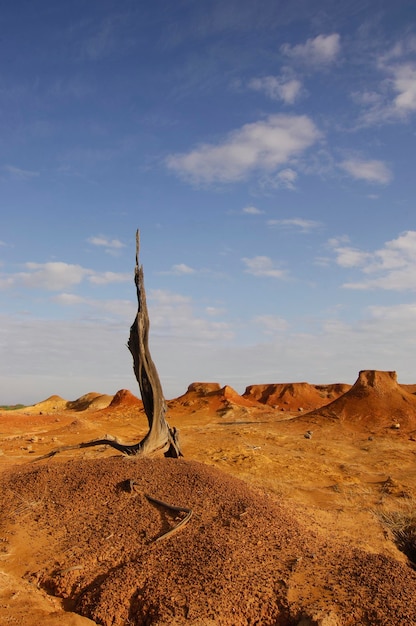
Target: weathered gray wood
x,y
160,435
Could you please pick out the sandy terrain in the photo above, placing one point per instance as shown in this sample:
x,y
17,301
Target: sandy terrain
x,y
302,498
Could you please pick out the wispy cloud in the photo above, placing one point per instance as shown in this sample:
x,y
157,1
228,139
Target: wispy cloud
x,y
404,84
305,226
372,171
261,146
319,52
19,173
287,90
111,246
252,210
181,269
347,256
393,98
285,179
263,266
392,267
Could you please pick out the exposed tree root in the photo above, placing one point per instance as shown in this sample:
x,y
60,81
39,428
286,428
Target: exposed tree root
x,y
132,486
180,509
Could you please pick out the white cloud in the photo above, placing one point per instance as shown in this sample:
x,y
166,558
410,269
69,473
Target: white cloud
x,y
263,266
260,146
20,174
182,268
404,84
278,88
373,171
351,257
58,276
104,278
52,276
392,267
111,245
320,51
305,226
252,210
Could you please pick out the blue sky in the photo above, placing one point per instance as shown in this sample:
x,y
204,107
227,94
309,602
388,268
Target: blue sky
x,y
266,152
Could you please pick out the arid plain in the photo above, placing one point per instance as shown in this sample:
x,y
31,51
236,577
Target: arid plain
x,y
302,497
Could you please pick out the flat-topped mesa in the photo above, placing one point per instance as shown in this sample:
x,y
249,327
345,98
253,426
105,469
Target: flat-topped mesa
x,y
376,400
378,381
203,388
333,390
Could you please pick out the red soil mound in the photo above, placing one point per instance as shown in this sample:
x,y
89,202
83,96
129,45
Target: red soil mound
x,y
294,396
124,398
375,400
243,558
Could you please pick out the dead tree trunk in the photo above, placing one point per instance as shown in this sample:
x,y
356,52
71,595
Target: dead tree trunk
x,y
160,434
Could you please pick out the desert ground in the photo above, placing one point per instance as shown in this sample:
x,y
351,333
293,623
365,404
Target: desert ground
x,y
296,506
